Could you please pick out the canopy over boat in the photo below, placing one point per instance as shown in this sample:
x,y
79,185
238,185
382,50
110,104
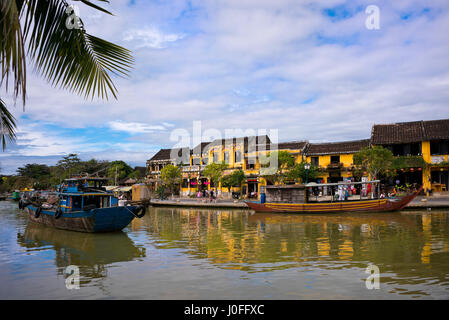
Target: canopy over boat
x,y
342,183
329,197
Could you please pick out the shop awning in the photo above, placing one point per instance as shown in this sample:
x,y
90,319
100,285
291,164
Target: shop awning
x,y
124,189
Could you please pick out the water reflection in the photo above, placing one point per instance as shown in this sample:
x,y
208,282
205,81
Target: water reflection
x,y
410,248
92,253
230,254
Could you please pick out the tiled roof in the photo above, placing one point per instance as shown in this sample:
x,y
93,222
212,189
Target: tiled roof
x,y
408,132
163,154
336,147
293,145
253,140
166,154
436,129
200,148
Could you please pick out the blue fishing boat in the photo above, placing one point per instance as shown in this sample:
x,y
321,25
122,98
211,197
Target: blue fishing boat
x,y
82,204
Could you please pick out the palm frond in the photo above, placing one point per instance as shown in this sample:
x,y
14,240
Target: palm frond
x,y
7,125
12,52
90,4
72,58
69,58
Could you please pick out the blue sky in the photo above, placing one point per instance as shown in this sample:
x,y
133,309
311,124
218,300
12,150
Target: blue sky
x,y
310,69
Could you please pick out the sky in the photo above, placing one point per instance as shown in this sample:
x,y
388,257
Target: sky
x,y
309,69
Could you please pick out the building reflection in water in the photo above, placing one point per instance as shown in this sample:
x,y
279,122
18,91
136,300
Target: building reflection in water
x,y
402,243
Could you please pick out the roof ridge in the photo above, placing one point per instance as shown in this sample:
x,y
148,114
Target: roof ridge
x,y
345,141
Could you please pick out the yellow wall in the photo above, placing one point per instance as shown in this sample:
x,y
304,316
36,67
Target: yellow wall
x,y
426,172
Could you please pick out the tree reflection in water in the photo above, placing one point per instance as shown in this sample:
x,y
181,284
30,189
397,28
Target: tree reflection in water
x,y
409,247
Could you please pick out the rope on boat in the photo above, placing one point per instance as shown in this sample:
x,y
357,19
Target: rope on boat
x,y
137,215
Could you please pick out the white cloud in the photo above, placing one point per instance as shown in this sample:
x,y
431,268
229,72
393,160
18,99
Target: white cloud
x,y
150,37
134,127
259,64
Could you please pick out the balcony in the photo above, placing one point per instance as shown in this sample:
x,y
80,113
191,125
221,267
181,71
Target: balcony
x,y
335,165
191,168
438,159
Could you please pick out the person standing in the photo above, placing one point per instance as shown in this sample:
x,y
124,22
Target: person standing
x,y
211,195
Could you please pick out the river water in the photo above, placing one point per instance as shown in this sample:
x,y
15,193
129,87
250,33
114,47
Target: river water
x,y
227,254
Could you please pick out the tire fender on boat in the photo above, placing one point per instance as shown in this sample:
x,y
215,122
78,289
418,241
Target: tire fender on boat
x,y
58,213
140,209
38,211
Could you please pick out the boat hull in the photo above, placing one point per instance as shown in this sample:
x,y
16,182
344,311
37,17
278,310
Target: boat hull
x,y
96,220
378,205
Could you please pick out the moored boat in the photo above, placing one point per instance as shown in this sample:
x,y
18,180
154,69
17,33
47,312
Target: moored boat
x,y
82,204
296,199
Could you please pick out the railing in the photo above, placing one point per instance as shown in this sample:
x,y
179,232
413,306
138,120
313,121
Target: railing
x,y
335,165
191,168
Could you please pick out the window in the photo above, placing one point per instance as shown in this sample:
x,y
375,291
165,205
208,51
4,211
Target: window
x,y
405,149
226,156
205,160
251,163
439,147
415,149
215,156
196,161
238,156
335,159
315,161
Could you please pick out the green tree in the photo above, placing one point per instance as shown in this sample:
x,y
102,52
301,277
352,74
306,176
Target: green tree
x,y
135,174
34,171
118,170
235,179
278,173
298,172
68,164
171,177
376,161
67,57
93,166
214,171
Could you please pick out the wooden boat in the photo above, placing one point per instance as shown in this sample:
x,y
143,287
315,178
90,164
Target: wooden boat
x,y
295,199
83,205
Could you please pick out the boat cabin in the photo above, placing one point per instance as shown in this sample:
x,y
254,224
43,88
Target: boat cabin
x,y
323,192
84,194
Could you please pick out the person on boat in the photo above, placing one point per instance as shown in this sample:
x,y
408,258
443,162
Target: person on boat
x,y
198,196
340,193
394,192
368,190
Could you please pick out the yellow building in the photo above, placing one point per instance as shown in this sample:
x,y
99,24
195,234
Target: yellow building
x,y
239,153
335,159
426,139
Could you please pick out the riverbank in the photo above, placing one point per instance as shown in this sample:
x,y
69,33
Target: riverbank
x,y
421,202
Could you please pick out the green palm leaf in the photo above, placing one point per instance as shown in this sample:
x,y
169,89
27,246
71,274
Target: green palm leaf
x,y
7,125
70,59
